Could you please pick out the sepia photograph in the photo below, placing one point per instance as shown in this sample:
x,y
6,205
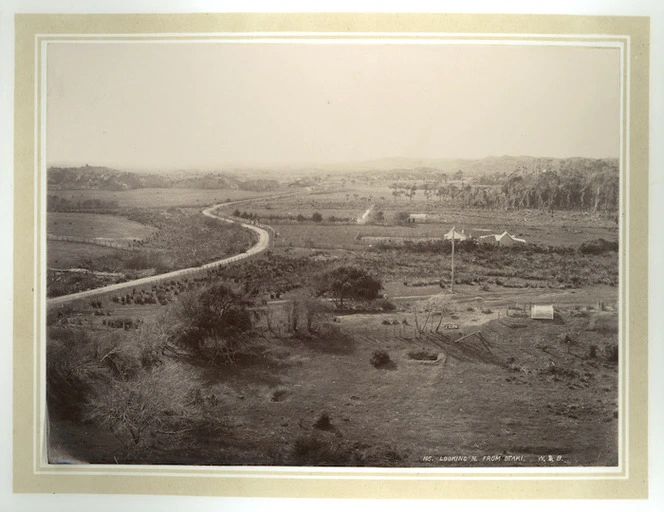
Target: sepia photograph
x,y
390,256
303,251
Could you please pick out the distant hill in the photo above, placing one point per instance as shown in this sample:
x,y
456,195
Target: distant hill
x,y
428,168
104,178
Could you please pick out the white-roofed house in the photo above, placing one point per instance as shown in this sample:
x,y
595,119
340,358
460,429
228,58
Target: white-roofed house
x,y
541,312
458,235
504,239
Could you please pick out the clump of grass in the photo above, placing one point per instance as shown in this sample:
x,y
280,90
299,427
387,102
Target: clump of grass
x,y
385,305
309,450
381,359
611,353
323,422
559,371
278,395
603,323
316,450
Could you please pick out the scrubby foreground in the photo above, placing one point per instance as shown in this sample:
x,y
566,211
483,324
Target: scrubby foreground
x,y
365,390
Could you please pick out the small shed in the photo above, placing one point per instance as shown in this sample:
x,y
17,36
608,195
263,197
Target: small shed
x,y
417,217
541,312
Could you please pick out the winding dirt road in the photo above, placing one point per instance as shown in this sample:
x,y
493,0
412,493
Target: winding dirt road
x,y
263,244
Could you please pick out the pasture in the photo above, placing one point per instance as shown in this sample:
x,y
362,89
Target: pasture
x,y
529,389
94,225
160,197
315,398
564,228
74,255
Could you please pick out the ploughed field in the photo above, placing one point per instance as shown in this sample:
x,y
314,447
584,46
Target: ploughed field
x,y
522,390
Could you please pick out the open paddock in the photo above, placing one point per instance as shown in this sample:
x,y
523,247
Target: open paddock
x,y
71,255
94,225
160,197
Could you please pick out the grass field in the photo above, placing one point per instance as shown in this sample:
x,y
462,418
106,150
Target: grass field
x,y
526,389
159,197
525,394
559,228
73,255
93,225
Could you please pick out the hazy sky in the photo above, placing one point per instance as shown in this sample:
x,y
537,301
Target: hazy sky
x,y
161,106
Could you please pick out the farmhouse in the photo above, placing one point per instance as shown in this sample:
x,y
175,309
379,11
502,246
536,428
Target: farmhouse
x,y
541,312
458,235
504,239
417,217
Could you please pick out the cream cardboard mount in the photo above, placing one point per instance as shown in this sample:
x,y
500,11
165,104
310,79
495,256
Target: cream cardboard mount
x,y
37,34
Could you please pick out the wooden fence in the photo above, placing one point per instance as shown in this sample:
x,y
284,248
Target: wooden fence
x,y
130,246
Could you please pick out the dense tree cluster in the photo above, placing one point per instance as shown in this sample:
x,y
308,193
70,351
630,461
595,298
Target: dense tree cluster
x,y
348,283
569,186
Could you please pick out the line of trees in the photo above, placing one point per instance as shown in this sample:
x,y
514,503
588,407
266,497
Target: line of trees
x,y
595,189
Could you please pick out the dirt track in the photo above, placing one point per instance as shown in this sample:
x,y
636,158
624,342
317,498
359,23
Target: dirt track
x,y
260,246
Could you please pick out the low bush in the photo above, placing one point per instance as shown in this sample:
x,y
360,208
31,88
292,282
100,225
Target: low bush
x,y
603,323
322,450
385,305
380,359
611,353
598,246
323,422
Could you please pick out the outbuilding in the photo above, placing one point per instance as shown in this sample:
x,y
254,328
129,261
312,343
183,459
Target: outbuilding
x,y
541,312
417,217
504,239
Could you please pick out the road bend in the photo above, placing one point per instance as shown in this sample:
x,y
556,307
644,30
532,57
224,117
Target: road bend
x,y
260,246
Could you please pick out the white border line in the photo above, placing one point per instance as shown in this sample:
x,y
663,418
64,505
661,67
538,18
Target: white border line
x,y
327,38
325,35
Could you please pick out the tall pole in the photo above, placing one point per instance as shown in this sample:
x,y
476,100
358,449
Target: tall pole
x,y
453,259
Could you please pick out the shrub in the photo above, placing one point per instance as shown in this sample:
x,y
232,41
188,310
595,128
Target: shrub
x,y
138,410
316,217
380,359
323,422
71,370
598,246
603,323
348,282
385,305
217,314
611,353
319,451
309,450
401,217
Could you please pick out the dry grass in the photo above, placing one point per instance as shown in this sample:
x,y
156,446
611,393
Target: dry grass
x,y
301,401
159,197
92,225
